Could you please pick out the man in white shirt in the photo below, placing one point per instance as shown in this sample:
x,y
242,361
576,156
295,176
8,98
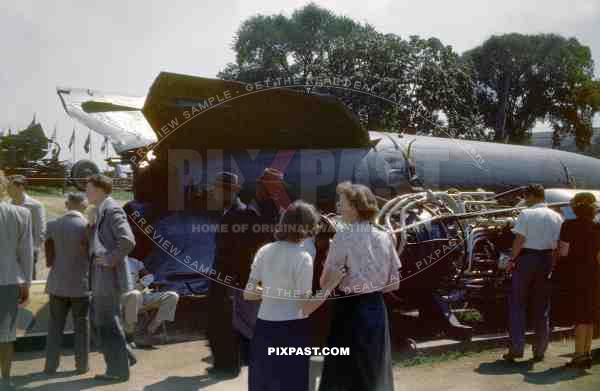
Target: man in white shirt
x,y
143,298
537,231
16,191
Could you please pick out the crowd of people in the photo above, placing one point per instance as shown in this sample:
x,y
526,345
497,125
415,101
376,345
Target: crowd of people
x,y
90,276
269,299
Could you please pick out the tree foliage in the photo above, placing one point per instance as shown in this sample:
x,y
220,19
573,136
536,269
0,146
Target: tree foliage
x,y
421,85
28,145
405,84
525,78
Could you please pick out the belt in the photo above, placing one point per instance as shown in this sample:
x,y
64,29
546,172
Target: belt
x,y
535,251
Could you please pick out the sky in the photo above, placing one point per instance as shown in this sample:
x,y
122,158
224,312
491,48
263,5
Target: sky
x,y
121,46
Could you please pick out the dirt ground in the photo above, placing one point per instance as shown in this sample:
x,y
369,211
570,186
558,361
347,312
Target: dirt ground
x,y
182,367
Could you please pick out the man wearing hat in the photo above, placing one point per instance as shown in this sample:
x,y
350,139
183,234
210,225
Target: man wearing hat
x,y
273,197
234,246
270,200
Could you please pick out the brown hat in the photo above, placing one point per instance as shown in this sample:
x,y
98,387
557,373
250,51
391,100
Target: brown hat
x,y
229,180
271,175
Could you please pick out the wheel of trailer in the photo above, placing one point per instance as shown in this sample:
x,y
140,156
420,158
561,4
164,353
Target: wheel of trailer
x,y
82,170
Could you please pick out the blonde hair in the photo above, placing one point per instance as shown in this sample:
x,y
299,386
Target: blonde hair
x,y
361,198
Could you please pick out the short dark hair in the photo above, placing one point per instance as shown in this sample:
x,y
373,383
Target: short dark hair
x,y
361,198
537,191
19,180
102,182
76,198
298,222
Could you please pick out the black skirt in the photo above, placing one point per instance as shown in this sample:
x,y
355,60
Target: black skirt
x,y
272,372
361,324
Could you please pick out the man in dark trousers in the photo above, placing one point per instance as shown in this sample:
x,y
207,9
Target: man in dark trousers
x,y
271,199
537,232
68,282
111,242
233,246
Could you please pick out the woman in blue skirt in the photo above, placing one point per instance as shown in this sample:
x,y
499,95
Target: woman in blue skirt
x,y
281,277
360,316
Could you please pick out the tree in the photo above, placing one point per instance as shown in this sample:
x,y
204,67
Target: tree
x,y
268,47
410,84
524,78
24,147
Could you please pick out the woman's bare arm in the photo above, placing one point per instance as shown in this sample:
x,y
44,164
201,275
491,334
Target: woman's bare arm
x,y
313,302
563,248
253,291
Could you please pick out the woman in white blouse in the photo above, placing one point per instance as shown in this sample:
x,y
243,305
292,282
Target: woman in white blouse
x,y
360,316
281,277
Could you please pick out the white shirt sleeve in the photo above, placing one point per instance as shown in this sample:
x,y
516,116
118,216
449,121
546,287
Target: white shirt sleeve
x,y
521,224
256,268
309,245
304,274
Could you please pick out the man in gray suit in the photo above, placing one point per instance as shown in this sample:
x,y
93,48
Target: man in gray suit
x,y
68,282
111,242
16,191
16,262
